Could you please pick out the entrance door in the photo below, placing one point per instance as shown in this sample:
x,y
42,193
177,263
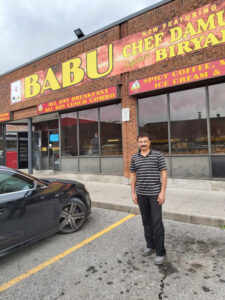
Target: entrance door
x,y
46,143
53,149
46,149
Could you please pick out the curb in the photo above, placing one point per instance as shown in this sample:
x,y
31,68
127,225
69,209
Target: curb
x,y
187,218
123,208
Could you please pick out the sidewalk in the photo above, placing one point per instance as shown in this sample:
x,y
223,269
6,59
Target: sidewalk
x,y
185,205
198,204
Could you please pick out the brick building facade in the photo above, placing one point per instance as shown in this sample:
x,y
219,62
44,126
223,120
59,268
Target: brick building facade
x,y
179,35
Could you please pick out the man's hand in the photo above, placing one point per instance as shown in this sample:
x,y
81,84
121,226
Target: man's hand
x,y
134,198
161,198
133,187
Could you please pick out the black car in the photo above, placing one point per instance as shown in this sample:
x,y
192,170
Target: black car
x,y
31,208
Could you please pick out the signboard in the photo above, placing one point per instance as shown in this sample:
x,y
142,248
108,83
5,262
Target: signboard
x,y
5,117
103,95
193,31
16,92
54,137
182,76
125,114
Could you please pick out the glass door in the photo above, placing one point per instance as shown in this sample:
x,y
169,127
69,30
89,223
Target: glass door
x,y
46,145
37,145
53,149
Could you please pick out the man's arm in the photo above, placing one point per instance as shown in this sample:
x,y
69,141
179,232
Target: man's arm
x,y
133,187
161,197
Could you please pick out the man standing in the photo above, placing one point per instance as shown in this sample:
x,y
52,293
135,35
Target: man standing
x,y
95,144
148,191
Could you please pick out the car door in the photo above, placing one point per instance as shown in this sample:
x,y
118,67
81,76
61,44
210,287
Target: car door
x,y
11,230
27,209
12,208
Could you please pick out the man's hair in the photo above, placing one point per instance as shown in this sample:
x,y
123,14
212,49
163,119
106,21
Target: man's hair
x,y
144,134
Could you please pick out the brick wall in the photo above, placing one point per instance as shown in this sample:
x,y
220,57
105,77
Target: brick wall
x,y
143,22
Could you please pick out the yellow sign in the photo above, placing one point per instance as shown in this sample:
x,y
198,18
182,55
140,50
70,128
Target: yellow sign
x,y
193,31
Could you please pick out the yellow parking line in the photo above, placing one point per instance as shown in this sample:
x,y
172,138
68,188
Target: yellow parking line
x,y
19,278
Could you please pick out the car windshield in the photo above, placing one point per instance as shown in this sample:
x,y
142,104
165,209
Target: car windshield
x,y
32,177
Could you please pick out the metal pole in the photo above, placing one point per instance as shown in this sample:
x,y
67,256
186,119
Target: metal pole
x,y
169,135
60,140
208,130
99,142
30,152
4,143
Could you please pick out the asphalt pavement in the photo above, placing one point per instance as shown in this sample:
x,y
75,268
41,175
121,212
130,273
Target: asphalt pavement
x,y
188,200
103,261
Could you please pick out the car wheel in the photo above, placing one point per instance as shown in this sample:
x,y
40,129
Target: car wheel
x,y
72,216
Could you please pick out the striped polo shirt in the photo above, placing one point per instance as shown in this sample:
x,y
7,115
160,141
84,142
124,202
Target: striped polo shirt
x,y
147,169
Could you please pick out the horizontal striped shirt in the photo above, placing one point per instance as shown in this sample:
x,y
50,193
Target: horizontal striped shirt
x,y
147,169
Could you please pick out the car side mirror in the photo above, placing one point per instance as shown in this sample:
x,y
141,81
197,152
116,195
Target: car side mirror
x,y
38,185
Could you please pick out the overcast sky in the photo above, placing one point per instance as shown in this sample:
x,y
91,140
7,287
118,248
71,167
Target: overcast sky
x,y
31,28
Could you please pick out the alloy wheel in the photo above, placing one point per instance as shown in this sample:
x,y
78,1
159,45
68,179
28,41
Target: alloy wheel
x,y
72,217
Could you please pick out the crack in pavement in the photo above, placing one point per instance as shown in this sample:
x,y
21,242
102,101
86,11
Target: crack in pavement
x,y
162,287
166,270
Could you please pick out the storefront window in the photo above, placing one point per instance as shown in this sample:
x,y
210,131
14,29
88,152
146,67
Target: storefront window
x,y
11,141
111,130
188,122
153,120
88,132
1,131
69,134
46,125
44,144
217,117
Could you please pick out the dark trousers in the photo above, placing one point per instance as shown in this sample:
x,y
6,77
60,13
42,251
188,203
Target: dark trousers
x,y
151,213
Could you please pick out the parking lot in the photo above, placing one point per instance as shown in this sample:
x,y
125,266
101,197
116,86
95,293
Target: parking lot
x,y
104,262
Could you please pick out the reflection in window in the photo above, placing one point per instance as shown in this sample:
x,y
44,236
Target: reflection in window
x,y
188,122
45,125
217,117
1,145
111,130
88,132
69,134
44,144
1,131
11,141
153,120
12,182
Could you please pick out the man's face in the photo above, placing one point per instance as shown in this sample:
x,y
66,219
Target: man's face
x,y
144,143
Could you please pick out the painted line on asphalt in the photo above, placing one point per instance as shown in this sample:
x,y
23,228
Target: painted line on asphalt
x,y
52,260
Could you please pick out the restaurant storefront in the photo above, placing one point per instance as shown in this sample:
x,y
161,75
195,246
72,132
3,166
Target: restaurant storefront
x,y
188,126
85,140
160,71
